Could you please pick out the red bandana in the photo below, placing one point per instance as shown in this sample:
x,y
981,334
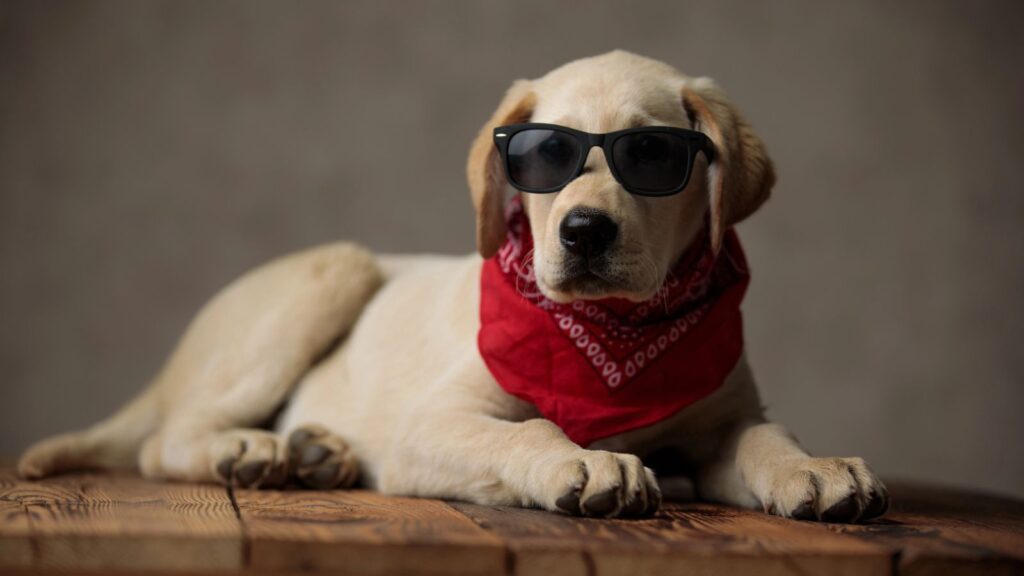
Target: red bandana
x,y
597,368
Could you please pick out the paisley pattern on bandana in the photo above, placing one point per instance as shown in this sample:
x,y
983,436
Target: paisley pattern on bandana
x,y
618,347
601,367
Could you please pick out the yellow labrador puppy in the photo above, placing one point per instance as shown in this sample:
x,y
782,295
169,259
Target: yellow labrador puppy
x,y
416,375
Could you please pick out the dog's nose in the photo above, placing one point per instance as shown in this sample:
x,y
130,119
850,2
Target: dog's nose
x,y
587,232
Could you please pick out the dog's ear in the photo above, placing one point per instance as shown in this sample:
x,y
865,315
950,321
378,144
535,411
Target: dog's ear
x,y
484,171
741,177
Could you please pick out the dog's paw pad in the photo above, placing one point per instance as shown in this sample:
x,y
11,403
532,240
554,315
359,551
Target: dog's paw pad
x,y
313,454
301,436
323,477
321,459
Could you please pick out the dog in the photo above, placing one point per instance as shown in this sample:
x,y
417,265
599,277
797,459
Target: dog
x,y
385,369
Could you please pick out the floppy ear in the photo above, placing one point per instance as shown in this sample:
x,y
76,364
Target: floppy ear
x,y
485,173
741,176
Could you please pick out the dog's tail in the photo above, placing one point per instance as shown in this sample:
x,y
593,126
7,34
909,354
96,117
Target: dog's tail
x,y
112,443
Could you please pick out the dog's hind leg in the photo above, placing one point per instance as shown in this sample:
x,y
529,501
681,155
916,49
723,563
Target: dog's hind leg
x,y
234,367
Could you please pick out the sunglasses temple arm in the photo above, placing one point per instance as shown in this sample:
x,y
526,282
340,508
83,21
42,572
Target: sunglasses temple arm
x,y
708,148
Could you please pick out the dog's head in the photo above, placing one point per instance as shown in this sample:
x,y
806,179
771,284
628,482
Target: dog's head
x,y
633,241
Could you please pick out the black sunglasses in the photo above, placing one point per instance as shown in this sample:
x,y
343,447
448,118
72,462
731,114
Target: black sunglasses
x,y
648,161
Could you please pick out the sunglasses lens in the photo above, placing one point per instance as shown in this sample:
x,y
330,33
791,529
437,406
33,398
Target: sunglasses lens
x,y
652,162
541,159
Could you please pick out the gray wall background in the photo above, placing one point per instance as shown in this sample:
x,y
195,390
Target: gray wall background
x,y
152,151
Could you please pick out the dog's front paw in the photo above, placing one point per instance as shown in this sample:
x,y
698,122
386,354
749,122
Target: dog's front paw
x,y
603,484
249,459
826,489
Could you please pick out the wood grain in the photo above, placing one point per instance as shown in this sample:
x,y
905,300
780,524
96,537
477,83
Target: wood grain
x,y
682,538
15,541
104,521
946,531
92,524
361,532
15,529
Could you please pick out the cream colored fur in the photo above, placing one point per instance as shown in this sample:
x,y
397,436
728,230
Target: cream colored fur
x,y
402,393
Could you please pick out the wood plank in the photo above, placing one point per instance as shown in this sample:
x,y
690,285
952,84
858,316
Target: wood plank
x,y
89,521
15,530
683,538
15,536
95,523
15,540
947,531
362,532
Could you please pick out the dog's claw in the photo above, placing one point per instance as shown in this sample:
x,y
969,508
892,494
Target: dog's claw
x,y
250,473
636,506
602,504
224,468
249,459
569,502
605,485
877,505
805,511
846,510
842,489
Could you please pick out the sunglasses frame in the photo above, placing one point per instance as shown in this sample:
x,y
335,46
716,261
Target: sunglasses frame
x,y
698,142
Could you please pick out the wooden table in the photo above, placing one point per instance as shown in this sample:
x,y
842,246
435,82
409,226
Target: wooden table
x,y
102,523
